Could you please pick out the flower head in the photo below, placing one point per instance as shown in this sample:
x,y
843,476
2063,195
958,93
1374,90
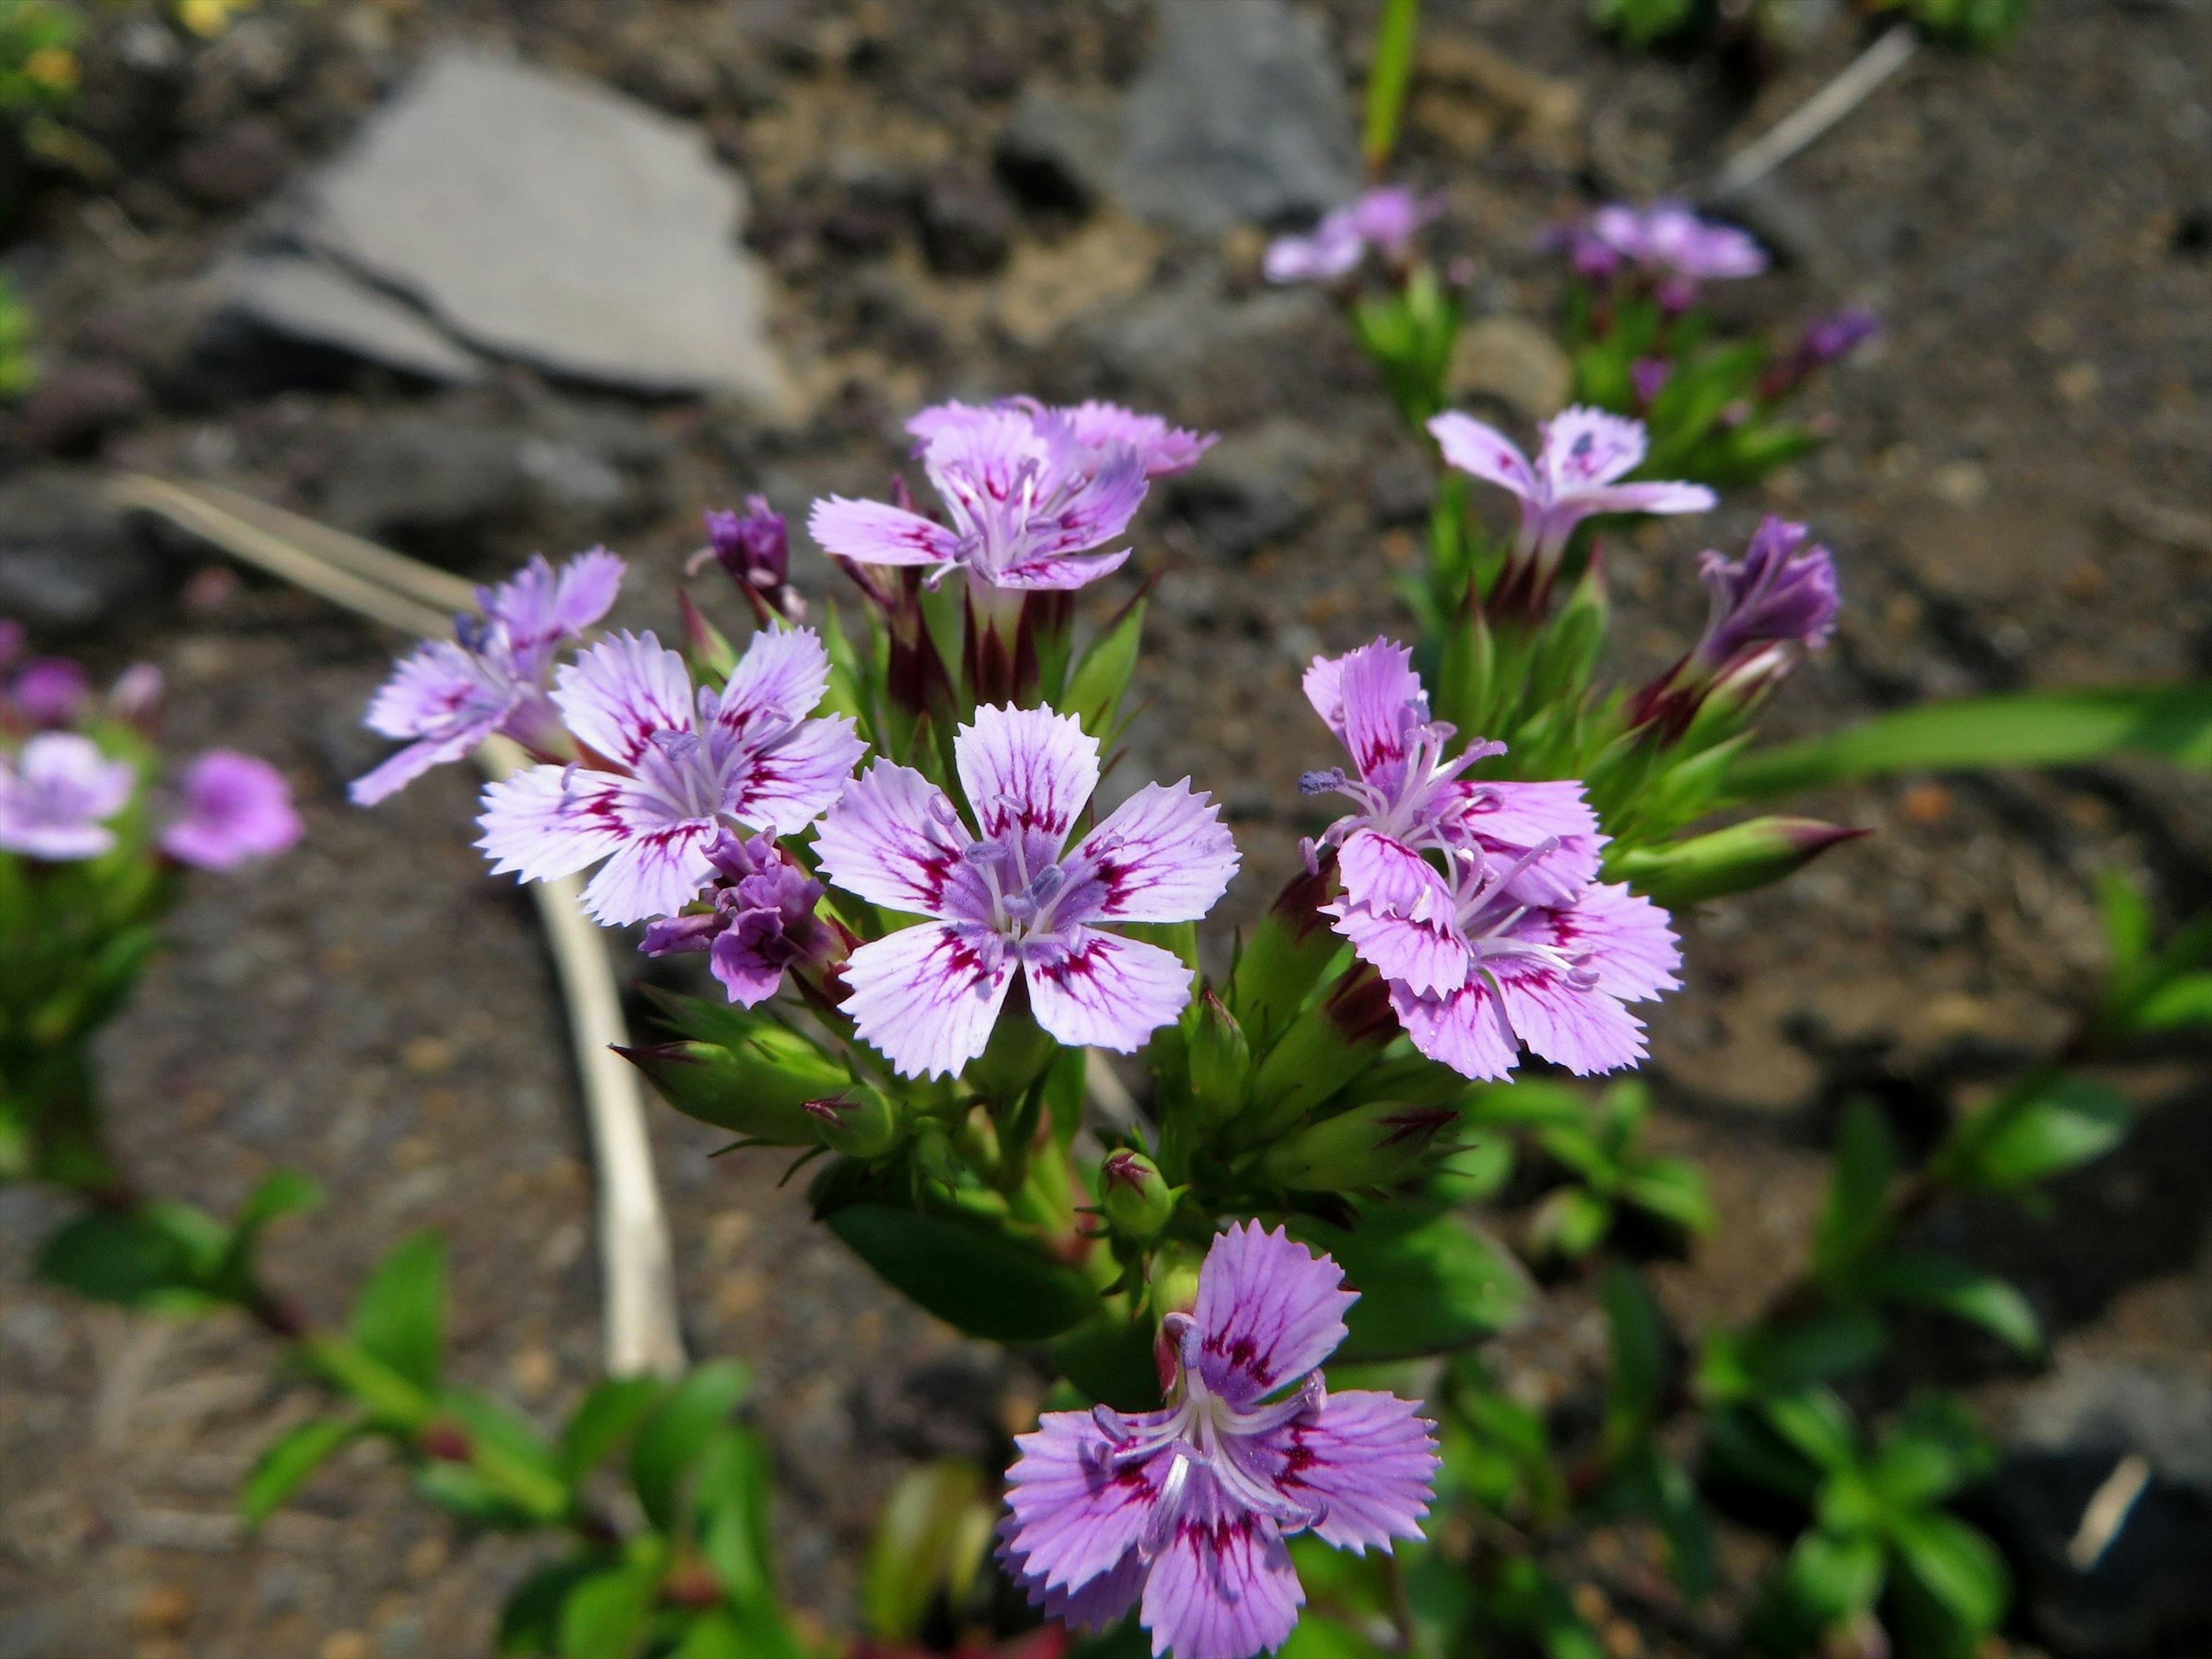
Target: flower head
x,y
448,696
1576,473
235,808
1031,492
1672,248
1006,896
1552,977
763,922
755,548
56,795
667,771
51,692
1387,218
1182,1512
1411,802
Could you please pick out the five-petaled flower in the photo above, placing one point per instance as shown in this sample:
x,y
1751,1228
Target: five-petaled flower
x,y
1005,896
666,770
233,808
447,696
1031,493
763,921
56,795
1387,217
1182,1512
1413,802
1576,473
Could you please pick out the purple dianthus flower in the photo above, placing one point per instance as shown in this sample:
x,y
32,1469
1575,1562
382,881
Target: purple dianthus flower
x,y
763,922
1386,218
1576,473
755,548
234,808
1672,248
1182,1513
1005,896
449,695
56,795
670,769
51,692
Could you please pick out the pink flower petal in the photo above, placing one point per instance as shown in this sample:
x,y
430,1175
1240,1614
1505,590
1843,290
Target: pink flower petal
x,y
927,997
655,873
1459,1030
876,532
1029,769
1371,1459
1075,1516
236,808
1399,914
1586,447
550,821
1586,1031
1650,498
622,691
1271,1311
796,781
894,839
780,678
1486,452
1375,687
1162,855
1098,990
1224,1587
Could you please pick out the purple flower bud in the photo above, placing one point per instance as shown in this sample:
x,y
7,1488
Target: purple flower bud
x,y
755,547
762,923
1837,337
1649,376
52,692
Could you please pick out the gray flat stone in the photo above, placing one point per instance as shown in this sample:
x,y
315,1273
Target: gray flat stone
x,y
1241,114
547,219
305,298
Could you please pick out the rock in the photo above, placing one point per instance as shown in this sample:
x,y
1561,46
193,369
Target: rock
x,y
76,404
967,224
1241,114
1215,356
547,219
308,299
1511,360
2152,1583
1056,151
241,163
69,560
1466,95
1255,487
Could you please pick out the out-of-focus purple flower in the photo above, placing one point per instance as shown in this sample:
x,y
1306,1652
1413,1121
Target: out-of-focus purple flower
x,y
56,795
1585,454
447,697
1554,977
51,692
1825,340
762,924
1030,497
234,808
755,548
1005,896
1386,218
136,697
1411,802
1668,245
1766,611
1182,1513
1647,378
671,769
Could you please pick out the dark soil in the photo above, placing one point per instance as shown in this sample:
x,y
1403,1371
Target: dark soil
x,y
2017,494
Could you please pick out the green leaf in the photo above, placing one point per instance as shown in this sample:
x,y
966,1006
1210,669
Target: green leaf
x,y
1570,1222
1649,1483
1817,1425
1110,1358
1427,1284
284,1468
283,1192
2071,1122
1857,1213
1388,77
2186,1000
1768,1359
1934,1447
1101,679
1833,1579
399,1318
530,1620
1950,1287
1674,1189
927,1541
466,1491
2126,915
1637,1334
606,1615
673,1438
982,1279
603,1419
2019,729
732,1494
159,1255
1957,1567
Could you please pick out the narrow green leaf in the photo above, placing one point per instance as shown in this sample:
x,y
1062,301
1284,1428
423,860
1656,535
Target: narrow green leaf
x,y
1817,1424
1637,1341
399,1318
285,1467
910,1559
984,1279
1101,678
530,1620
2011,1144
606,1616
2023,729
1674,1189
1928,1280
2179,1002
732,1494
1427,1284
603,1419
671,1439
1835,1577
1956,1565
1857,1213
159,1255
1387,80
2126,915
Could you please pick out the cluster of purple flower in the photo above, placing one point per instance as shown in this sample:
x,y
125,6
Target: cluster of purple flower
x,y
1385,219
61,794
1666,244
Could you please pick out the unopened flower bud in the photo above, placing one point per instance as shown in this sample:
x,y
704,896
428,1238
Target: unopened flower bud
x,y
1220,1060
1134,1194
758,1088
858,1123
447,1441
755,548
1370,1146
1757,853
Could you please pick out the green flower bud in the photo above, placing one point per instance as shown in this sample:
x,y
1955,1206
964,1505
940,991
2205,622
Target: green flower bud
x,y
861,1122
1174,1281
1370,1146
1743,856
1324,1050
1284,956
1220,1060
758,1089
1134,1194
